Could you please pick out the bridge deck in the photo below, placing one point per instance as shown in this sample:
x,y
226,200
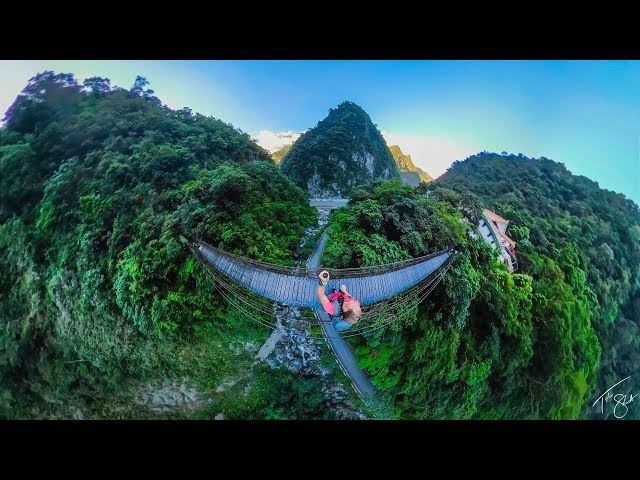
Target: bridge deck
x,y
339,345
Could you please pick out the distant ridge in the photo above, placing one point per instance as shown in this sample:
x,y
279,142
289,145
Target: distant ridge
x,y
409,173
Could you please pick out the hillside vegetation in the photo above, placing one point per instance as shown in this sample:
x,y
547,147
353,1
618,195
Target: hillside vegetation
x,y
101,303
344,150
536,344
97,295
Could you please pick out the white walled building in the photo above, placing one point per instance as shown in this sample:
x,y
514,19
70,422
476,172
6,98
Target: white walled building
x,y
493,229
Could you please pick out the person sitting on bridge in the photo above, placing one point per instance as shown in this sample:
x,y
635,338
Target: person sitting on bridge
x,y
344,308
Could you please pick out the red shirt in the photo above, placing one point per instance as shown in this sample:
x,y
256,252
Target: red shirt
x,y
328,307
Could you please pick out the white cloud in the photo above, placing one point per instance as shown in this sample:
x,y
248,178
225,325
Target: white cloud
x,y
433,154
274,141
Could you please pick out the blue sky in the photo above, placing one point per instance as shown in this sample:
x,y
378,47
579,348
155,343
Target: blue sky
x,y
585,114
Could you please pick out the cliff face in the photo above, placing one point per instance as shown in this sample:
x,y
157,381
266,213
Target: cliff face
x,y
342,151
409,173
279,154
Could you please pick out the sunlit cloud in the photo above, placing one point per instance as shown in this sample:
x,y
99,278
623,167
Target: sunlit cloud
x,y
274,141
432,154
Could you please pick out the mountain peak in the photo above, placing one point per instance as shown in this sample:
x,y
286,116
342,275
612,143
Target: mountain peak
x,y
409,173
343,150
396,150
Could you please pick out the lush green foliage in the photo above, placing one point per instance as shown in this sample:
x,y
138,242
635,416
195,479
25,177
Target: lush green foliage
x,y
277,394
96,187
99,299
343,150
583,243
487,343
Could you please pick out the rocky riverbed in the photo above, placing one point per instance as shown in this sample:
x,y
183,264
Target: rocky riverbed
x,y
300,353
293,347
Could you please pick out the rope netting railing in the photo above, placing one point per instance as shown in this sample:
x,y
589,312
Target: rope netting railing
x,y
295,286
343,273
233,287
374,316
370,321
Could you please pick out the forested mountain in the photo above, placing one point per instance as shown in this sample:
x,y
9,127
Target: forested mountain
x,y
544,342
279,154
101,305
566,225
342,151
409,173
98,297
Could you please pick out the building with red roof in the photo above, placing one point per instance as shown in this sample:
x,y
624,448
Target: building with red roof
x,y
493,229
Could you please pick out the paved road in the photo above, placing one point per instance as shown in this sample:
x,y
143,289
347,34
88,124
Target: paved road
x,y
339,345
